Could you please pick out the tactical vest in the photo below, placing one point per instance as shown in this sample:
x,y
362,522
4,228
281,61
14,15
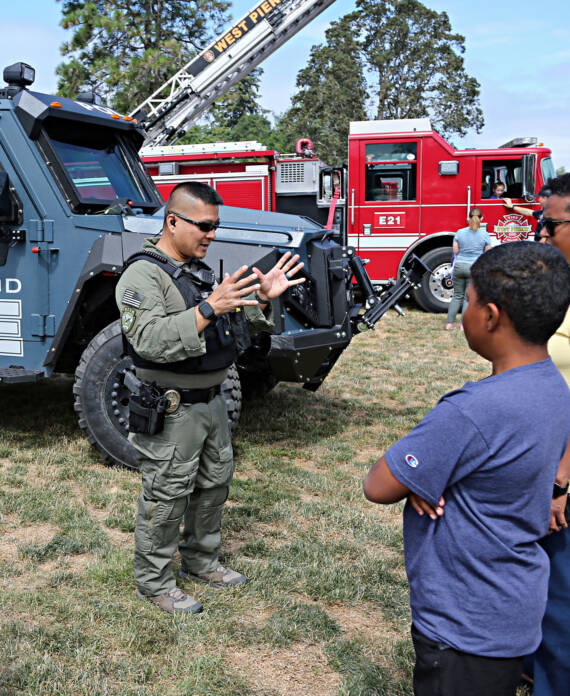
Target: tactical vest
x,y
194,287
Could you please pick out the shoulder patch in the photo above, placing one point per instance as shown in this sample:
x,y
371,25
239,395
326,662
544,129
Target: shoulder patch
x,y
127,319
132,298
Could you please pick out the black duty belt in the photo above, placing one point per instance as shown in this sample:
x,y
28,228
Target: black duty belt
x,y
198,396
175,397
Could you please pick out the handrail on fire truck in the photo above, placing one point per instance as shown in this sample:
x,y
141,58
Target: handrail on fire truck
x,y
172,108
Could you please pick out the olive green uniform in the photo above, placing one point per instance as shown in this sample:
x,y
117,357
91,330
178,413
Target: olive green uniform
x,y
187,468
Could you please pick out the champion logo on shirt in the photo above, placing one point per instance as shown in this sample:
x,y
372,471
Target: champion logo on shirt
x,y
411,461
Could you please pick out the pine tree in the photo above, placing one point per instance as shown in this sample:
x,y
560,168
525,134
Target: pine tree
x,y
331,93
125,49
388,59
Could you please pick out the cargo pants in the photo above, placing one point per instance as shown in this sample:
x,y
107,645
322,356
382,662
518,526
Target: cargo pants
x,y
186,473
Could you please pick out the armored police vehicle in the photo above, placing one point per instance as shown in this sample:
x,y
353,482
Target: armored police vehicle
x,y
76,202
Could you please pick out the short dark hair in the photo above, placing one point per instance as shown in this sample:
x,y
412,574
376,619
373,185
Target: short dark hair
x,y
193,189
545,191
498,183
530,282
560,186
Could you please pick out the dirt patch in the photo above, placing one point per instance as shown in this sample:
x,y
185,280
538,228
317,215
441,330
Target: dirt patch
x,y
12,539
363,622
301,670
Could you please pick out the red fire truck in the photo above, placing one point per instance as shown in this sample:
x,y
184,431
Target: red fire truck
x,y
407,191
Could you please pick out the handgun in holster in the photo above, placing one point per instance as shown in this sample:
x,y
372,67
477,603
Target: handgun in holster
x,y
147,406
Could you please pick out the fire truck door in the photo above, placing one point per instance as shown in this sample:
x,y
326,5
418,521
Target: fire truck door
x,y
505,225
384,202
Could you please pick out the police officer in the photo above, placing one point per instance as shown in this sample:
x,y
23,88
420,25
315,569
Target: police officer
x,y
178,330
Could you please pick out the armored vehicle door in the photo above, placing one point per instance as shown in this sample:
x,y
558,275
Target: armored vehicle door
x,y
26,236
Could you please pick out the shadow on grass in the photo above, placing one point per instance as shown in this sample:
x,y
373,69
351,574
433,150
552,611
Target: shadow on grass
x,y
37,414
290,414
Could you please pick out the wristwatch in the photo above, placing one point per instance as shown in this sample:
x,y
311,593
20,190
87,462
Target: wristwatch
x,y
559,490
206,310
258,299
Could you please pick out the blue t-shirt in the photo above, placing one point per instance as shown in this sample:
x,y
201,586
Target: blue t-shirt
x,y
478,578
472,243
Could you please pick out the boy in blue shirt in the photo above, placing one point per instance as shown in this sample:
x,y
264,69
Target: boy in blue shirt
x,y
478,577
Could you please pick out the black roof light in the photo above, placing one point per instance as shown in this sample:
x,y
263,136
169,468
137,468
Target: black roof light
x,y
19,75
90,97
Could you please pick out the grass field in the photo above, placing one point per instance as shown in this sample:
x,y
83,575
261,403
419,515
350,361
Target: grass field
x,y
326,609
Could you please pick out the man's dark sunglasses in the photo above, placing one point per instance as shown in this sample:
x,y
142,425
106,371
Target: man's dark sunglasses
x,y
202,225
551,225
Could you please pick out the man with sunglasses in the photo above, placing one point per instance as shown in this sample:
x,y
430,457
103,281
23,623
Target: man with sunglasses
x,y
181,330
551,664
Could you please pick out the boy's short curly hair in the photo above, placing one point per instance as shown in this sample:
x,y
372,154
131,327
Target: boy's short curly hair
x,y
530,282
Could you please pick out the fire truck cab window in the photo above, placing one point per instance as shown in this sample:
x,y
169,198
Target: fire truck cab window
x,y
391,171
547,169
507,172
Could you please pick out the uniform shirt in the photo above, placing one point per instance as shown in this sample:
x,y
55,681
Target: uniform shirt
x,y
478,577
472,243
559,348
156,322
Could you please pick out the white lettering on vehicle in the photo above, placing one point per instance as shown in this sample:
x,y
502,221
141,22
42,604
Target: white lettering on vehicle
x,y
11,342
96,107
11,286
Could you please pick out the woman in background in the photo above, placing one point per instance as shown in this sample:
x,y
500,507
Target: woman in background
x,y
468,245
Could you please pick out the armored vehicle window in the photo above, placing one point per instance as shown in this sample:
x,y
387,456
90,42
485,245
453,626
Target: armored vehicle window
x,y
95,166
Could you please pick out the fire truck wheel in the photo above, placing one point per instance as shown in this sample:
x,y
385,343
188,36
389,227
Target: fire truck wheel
x,y
102,400
436,289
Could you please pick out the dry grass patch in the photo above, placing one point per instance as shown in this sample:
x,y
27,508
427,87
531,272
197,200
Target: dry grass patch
x,y
301,670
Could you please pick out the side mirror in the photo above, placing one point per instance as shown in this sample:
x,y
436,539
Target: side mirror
x,y
528,177
331,178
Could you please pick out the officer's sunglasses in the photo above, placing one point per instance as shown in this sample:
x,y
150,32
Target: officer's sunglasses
x,y
202,225
551,225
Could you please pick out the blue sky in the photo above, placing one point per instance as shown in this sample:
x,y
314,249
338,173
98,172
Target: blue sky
x,y
519,55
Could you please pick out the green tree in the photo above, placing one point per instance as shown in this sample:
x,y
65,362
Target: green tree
x,y
331,93
125,49
404,55
237,116
238,102
416,65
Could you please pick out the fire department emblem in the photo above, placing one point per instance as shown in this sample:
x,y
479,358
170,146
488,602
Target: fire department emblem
x,y
512,228
209,56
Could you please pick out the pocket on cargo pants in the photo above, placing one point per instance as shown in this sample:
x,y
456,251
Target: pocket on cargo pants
x,y
217,459
165,473
158,523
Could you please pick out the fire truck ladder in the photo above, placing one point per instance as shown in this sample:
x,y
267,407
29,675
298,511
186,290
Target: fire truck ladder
x,y
169,112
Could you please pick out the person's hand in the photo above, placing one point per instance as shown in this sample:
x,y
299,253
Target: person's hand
x,y
557,519
509,203
230,292
422,506
277,280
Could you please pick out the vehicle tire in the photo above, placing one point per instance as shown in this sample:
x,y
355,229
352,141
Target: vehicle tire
x,y
255,385
102,401
231,391
436,288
